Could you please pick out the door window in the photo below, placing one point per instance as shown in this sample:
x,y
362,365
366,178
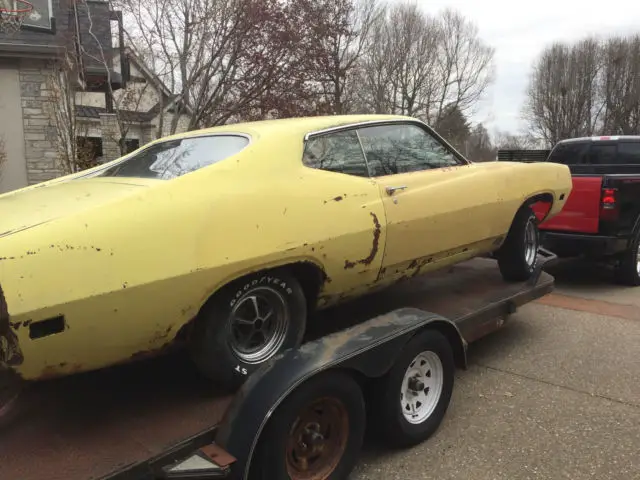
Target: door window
x,y
338,152
402,148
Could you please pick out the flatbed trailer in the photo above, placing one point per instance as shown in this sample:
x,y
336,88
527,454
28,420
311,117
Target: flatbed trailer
x,y
141,421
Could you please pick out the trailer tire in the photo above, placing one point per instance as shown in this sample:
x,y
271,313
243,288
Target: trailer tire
x,y
296,428
428,359
627,271
517,255
214,342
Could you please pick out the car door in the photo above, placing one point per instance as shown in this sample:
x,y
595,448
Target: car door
x,y
433,208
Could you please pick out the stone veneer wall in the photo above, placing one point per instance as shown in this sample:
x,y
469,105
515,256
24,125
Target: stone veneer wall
x,y
39,130
110,136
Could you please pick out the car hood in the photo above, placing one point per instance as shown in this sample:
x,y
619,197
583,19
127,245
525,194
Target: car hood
x,y
24,209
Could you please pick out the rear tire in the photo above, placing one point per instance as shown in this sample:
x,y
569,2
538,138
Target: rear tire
x,y
247,323
628,269
517,255
319,426
405,413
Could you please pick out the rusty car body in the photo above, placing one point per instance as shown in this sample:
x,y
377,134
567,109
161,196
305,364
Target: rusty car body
x,y
110,264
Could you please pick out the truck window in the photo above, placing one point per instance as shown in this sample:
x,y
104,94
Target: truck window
x,y
602,154
571,153
629,153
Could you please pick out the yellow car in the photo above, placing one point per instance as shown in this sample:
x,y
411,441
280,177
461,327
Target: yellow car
x,y
226,238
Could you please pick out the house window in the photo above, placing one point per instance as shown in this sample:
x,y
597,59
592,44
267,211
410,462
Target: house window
x,y
131,144
89,151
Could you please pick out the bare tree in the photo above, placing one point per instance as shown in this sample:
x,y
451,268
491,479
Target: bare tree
x,y
561,100
340,29
465,65
620,85
424,66
511,141
220,56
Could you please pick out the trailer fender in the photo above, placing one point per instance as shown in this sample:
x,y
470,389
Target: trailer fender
x,y
370,348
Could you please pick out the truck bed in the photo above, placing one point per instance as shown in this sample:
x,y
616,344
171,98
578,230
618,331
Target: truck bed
x,y
91,425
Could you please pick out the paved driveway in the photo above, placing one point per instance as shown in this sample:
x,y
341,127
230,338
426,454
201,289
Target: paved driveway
x,y
554,395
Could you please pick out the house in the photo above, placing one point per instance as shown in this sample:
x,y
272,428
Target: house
x,y
145,107
89,30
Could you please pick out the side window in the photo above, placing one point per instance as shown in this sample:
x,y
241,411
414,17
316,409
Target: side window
x,y
629,153
401,148
602,154
572,153
338,152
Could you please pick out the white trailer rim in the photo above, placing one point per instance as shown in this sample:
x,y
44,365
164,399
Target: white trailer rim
x,y
421,387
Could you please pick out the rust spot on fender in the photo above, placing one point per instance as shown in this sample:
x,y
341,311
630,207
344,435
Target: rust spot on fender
x,y
374,247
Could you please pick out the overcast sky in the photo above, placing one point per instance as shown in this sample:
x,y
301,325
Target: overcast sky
x,y
520,30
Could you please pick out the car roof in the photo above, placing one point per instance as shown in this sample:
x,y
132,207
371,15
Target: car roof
x,y
607,138
290,126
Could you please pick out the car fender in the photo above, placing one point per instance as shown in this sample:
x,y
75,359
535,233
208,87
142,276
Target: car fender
x,y
369,348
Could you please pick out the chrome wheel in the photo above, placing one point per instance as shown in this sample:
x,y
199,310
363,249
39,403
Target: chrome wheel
x,y
421,387
258,323
530,243
638,258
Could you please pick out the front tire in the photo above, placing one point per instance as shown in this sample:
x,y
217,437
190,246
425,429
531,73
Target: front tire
x,y
415,394
517,255
316,433
247,323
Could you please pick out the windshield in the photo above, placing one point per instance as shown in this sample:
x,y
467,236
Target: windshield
x,y
174,158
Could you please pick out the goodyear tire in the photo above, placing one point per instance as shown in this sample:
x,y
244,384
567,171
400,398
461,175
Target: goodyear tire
x,y
517,255
247,323
316,433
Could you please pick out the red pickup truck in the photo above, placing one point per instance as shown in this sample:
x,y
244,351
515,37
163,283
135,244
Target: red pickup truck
x,y
601,218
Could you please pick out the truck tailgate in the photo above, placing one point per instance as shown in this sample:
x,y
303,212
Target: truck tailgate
x,y
581,212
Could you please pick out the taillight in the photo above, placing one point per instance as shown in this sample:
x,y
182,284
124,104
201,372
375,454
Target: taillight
x,y
609,198
609,204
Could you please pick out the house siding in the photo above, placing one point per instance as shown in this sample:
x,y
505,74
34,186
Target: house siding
x,y
40,150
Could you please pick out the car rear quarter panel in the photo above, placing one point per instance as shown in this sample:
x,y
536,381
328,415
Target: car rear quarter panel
x,y
128,275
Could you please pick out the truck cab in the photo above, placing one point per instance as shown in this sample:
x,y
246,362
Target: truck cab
x,y
601,218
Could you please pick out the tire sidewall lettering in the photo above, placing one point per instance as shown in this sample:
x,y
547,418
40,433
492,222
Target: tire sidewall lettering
x,y
268,280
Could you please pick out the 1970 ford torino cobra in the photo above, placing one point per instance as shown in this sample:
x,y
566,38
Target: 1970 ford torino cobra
x,y
224,239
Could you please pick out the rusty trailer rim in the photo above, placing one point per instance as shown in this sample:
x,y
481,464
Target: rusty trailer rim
x,y
259,324
317,440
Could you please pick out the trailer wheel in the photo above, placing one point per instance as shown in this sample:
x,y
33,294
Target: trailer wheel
x,y
247,323
316,433
627,271
415,393
517,256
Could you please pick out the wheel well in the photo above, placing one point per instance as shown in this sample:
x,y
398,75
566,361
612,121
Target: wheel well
x,y
540,197
455,340
310,276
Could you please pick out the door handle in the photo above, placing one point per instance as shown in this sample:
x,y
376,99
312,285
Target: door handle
x,y
392,190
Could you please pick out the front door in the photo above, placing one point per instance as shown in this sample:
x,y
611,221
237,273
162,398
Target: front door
x,y
433,205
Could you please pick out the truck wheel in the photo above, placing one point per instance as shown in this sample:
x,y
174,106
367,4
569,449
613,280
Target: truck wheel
x,y
627,271
517,255
415,393
315,434
247,323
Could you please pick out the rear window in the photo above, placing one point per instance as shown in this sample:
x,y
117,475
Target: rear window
x,y
175,158
600,154
629,152
572,153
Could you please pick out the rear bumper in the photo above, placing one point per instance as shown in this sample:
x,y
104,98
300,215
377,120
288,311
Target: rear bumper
x,y
563,243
